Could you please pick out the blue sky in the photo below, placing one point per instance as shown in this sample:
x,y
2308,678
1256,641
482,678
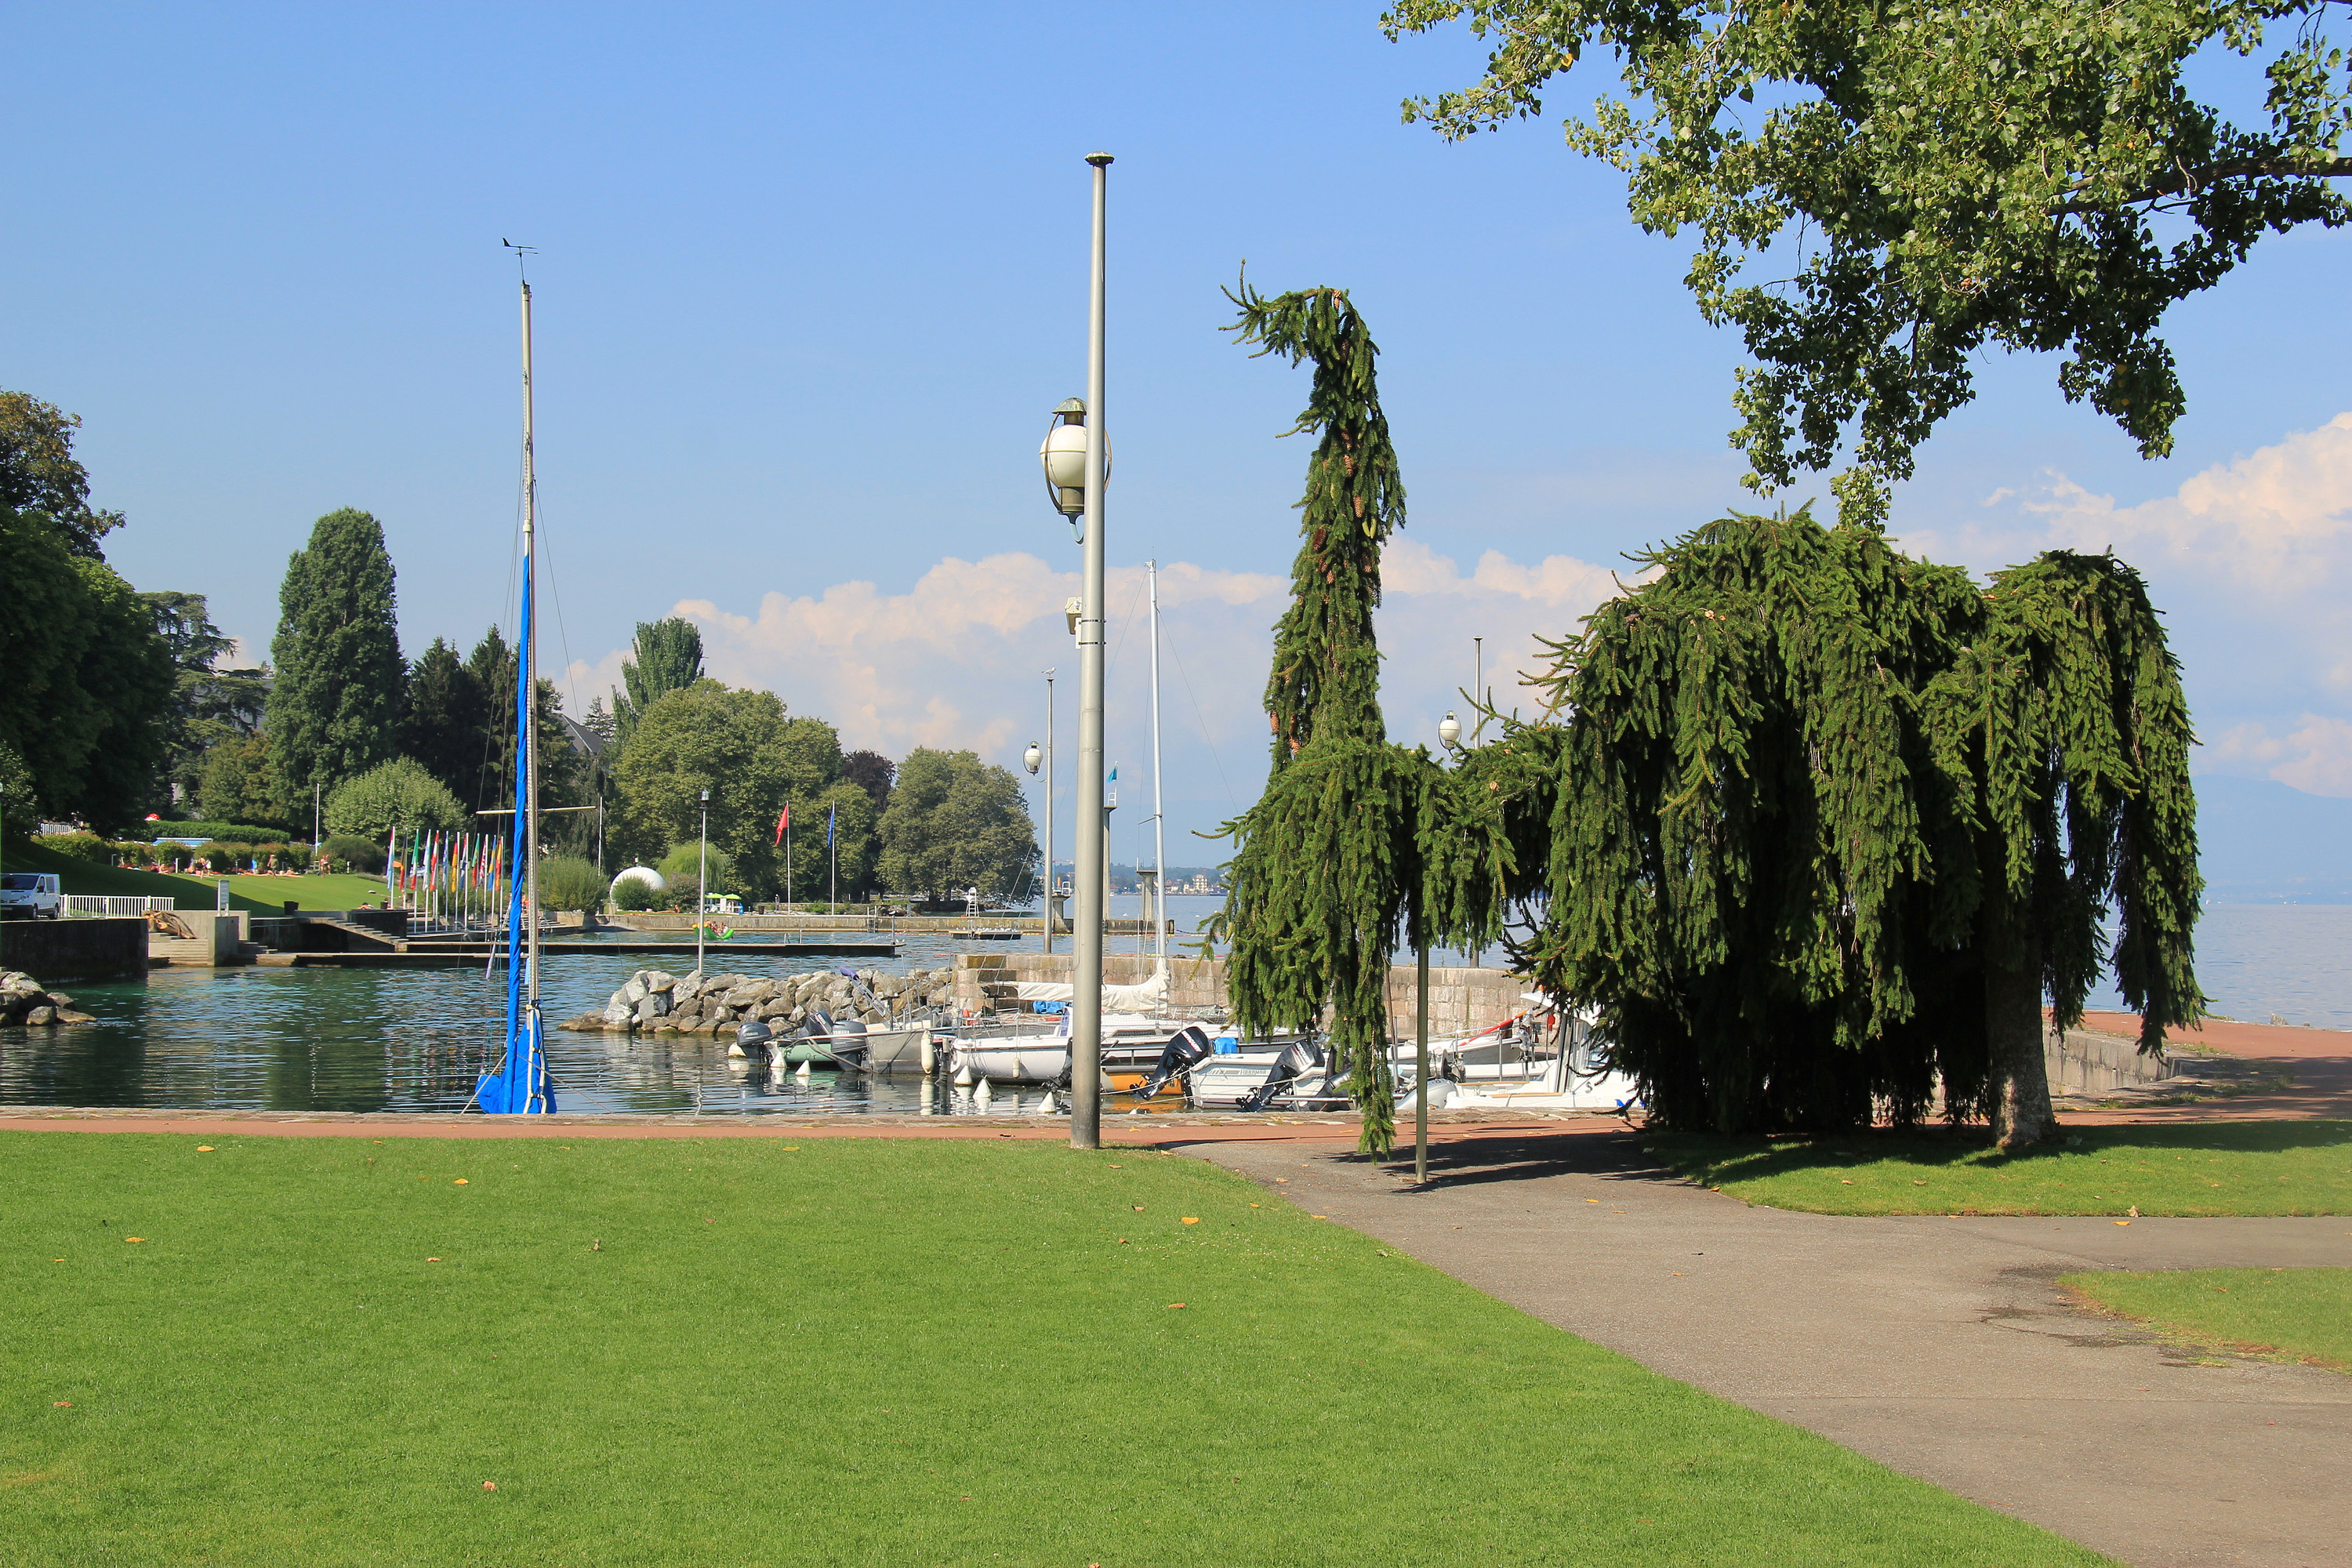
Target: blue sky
x,y
810,279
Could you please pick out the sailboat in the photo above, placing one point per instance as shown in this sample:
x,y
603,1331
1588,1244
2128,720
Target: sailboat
x,y
519,1086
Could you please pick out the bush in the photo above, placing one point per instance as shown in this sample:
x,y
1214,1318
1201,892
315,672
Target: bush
x,y
682,868
362,855
223,830
399,796
78,846
226,855
568,883
296,857
636,897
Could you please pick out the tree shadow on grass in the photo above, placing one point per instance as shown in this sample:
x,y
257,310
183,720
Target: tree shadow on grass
x,y
1712,1159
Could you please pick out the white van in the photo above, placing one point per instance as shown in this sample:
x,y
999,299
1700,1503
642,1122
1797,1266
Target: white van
x,y
30,895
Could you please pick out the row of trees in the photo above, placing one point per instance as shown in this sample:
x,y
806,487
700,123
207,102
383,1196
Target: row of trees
x,y
1816,828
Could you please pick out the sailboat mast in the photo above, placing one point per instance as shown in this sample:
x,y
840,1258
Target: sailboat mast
x,y
1159,800
526,702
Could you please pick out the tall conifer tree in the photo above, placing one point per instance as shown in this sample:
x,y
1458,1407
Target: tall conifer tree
x,y
334,707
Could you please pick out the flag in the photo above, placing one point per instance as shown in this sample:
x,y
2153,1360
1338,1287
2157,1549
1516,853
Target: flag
x,y
828,826
783,819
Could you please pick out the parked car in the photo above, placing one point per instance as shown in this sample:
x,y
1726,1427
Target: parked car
x,y
31,895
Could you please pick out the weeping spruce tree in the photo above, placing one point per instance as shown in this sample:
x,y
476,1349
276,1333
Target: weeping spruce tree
x,y
1825,825
1339,855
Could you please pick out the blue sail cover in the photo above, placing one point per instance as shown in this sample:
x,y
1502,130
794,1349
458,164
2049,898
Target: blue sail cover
x,y
520,1086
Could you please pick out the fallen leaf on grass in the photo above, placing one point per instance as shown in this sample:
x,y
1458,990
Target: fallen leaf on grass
x,y
1138,1208
1191,1219
432,1261
490,1486
1917,1183
61,1404
458,1183
203,1148
134,1239
791,1148
1253,1206
1175,1306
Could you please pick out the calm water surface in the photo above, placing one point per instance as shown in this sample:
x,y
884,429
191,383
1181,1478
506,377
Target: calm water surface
x,y
377,1039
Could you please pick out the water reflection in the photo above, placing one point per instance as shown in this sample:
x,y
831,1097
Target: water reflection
x,y
383,1039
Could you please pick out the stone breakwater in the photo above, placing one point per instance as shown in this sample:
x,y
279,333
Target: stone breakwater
x,y
23,1000
656,1003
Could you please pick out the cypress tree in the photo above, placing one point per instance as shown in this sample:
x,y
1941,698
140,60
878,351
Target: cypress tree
x,y
1337,854
668,659
334,707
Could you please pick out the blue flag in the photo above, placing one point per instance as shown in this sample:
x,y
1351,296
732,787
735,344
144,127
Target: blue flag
x,y
828,826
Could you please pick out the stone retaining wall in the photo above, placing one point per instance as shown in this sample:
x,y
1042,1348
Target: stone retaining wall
x,y
1460,1000
218,937
2089,1063
65,950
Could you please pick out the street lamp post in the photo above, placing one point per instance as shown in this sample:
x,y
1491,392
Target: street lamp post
x,y
1076,460
702,883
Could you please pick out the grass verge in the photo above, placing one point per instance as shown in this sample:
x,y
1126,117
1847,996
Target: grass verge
x,y
839,1352
257,895
2195,1168
2283,1314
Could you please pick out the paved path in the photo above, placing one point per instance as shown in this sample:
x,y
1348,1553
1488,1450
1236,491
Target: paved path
x,y
2310,1070
1940,1347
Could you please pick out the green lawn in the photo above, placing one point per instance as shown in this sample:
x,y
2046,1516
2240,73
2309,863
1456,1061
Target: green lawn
x,y
2295,1314
836,1351
2191,1168
260,895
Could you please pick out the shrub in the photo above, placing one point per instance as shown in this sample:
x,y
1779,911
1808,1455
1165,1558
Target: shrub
x,y
362,855
399,796
683,865
224,830
78,846
568,883
636,895
296,857
225,855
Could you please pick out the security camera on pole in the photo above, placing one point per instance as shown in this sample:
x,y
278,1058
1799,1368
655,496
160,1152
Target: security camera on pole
x,y
1076,487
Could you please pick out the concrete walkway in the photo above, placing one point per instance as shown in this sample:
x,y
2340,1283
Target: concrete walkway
x,y
1942,1348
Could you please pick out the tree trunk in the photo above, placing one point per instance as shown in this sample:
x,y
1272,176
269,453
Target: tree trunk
x,y
2021,1115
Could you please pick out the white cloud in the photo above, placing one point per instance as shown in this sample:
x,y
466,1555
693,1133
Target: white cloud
x,y
2315,757
956,659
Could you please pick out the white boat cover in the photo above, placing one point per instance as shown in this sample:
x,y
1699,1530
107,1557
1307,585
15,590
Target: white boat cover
x,y
1148,997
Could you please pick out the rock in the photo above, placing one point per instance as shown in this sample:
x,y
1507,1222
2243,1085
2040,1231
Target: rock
x,y
617,1013
44,1013
648,1009
634,992
657,981
59,999
68,1015
751,994
774,1007
721,1014
667,1025
586,1023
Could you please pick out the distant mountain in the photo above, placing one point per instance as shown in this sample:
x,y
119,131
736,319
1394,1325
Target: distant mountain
x,y
2262,843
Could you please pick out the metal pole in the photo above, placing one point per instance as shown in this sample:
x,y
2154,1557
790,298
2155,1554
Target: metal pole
x,y
527,703
1158,798
1049,811
1092,861
1421,1066
702,882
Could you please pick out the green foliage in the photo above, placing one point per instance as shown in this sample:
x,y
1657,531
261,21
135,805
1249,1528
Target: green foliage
x,y
568,883
38,472
490,780
88,683
334,707
699,737
2279,1314
668,659
2035,176
633,896
446,724
348,854
1804,816
682,868
80,847
399,796
953,822
209,706
1335,856
237,832
239,782
873,772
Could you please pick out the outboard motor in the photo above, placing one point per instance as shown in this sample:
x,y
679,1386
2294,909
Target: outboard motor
x,y
753,1032
848,1043
1296,1060
1185,1047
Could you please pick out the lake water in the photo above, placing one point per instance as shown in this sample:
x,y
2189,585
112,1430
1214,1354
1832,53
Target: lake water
x,y
381,1039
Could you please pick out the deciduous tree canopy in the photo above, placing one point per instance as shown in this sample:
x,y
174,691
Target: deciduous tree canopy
x,y
706,736
401,795
2036,175
668,659
953,822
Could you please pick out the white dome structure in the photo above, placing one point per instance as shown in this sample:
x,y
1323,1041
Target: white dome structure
x,y
646,874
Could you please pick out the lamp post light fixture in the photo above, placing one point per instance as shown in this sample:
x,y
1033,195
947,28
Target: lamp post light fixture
x,y
1076,460
1449,732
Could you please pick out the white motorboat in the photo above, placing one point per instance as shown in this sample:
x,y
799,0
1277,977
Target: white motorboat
x,y
1132,1045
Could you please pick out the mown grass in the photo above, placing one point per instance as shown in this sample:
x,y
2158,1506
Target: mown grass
x,y
2286,1314
839,1351
257,895
2192,1168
